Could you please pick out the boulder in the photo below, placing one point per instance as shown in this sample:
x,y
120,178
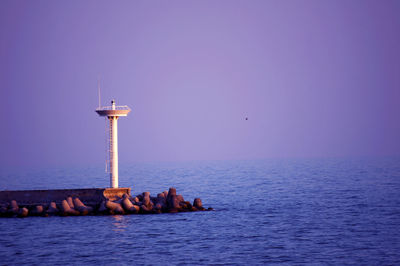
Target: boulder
x,y
146,194
153,200
70,202
180,198
198,204
14,207
135,200
66,210
82,208
161,201
102,208
145,209
147,204
52,210
3,210
173,203
128,205
136,207
162,196
158,208
171,191
140,197
165,194
22,212
38,210
186,206
114,207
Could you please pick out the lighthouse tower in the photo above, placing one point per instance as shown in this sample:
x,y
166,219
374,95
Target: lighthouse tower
x,y
113,112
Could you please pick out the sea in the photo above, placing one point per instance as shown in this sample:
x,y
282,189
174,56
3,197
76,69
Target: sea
x,y
336,211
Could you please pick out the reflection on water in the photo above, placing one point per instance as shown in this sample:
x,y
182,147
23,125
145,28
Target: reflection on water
x,y
119,223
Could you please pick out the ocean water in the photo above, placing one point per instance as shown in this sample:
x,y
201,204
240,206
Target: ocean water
x,y
290,211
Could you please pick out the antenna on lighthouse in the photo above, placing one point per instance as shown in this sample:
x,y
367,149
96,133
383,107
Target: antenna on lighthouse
x,y
113,112
98,88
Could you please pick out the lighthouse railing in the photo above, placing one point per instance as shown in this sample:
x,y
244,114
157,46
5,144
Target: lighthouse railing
x,y
118,107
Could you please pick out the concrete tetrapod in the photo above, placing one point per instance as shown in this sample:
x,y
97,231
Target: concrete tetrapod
x,y
52,210
3,210
161,203
198,204
23,212
70,203
38,210
114,208
147,204
66,210
14,207
82,208
128,206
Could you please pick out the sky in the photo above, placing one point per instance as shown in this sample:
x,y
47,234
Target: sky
x,y
314,79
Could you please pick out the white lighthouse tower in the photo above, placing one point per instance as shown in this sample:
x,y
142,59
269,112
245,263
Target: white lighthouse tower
x,y
113,112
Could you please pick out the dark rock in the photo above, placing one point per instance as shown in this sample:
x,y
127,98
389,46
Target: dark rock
x,y
186,205
38,211
165,194
102,208
198,204
161,201
173,203
146,202
128,206
161,197
66,210
172,191
135,200
153,200
14,207
82,208
70,203
22,212
140,197
3,210
158,208
52,209
146,209
114,207
180,198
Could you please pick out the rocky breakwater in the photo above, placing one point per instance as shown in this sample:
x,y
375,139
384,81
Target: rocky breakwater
x,y
165,202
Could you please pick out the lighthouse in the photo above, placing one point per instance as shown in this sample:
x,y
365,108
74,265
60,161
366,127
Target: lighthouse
x,y
113,112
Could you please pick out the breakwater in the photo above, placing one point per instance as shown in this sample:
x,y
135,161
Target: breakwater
x,y
96,201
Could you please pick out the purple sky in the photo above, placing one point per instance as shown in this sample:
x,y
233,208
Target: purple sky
x,y
315,78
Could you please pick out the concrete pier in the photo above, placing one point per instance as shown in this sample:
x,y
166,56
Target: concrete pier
x,y
90,196
92,201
